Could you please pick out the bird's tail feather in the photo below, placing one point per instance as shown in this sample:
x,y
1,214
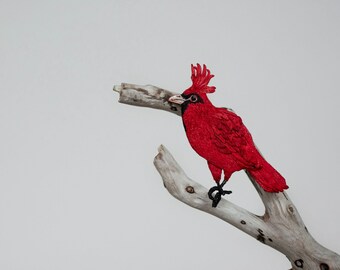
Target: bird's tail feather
x,y
269,178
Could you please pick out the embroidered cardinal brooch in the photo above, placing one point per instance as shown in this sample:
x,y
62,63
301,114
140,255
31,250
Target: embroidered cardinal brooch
x,y
219,136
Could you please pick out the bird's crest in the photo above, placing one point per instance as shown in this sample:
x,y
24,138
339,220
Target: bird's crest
x,y
200,79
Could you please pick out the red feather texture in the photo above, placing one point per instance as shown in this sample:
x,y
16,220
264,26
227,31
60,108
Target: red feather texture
x,y
219,136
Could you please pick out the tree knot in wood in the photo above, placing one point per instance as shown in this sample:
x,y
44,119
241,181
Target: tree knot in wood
x,y
260,236
291,209
173,108
299,263
324,266
190,189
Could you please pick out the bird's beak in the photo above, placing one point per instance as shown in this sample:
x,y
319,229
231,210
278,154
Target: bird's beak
x,y
177,99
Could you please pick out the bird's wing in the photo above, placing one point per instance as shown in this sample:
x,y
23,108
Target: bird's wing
x,y
231,137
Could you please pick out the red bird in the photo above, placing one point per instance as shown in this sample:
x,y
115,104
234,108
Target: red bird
x,y
219,136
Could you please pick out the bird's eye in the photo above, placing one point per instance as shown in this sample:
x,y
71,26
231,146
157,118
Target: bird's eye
x,y
193,98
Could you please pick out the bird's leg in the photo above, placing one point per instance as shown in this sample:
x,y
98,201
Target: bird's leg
x,y
215,193
219,193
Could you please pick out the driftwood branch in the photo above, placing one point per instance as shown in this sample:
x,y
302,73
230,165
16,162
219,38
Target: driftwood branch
x,y
281,226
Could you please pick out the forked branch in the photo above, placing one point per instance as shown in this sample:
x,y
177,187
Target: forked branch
x,y
281,226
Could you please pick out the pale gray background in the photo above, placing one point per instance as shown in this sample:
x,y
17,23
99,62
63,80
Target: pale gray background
x,y
78,189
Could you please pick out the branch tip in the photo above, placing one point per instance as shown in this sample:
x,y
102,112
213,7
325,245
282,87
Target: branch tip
x,y
159,156
161,148
117,88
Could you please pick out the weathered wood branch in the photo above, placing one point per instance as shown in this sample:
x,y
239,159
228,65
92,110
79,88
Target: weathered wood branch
x,y
281,227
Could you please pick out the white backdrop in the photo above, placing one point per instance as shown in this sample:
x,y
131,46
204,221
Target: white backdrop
x,y
78,189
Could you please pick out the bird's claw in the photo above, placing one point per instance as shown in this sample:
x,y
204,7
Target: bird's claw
x,y
217,197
